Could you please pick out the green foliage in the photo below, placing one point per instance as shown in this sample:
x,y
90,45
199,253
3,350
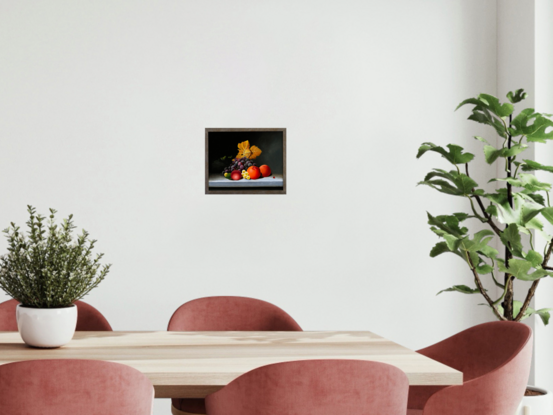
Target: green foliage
x,y
455,154
512,212
543,313
461,289
452,182
516,96
47,268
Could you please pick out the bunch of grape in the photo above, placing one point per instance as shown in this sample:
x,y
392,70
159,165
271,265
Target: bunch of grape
x,y
239,164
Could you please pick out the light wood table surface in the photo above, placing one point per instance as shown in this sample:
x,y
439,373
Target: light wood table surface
x,y
195,364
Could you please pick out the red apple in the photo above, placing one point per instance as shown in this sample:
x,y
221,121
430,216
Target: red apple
x,y
236,175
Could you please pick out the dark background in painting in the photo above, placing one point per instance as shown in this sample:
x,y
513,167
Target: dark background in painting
x,y
225,143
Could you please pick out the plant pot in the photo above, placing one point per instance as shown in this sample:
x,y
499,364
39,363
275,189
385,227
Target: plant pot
x,y
46,327
536,405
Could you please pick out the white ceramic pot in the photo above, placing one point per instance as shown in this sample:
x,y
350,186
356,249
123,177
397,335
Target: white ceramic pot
x,y
46,327
536,405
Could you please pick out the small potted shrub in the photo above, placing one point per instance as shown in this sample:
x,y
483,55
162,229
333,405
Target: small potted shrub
x,y
47,270
511,215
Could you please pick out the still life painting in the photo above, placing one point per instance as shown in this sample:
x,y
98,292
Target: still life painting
x,y
245,160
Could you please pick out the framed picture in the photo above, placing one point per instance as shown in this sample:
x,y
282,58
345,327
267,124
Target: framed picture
x,y
245,161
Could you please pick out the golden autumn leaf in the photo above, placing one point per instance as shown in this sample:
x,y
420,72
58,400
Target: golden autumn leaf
x,y
244,150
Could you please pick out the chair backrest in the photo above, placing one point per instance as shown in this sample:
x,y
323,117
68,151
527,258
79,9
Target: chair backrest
x,y
88,318
231,314
482,348
70,387
8,321
495,359
314,387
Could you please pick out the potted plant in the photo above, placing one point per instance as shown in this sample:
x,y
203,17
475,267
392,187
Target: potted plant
x,y
47,271
512,214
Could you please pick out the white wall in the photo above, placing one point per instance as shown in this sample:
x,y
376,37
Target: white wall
x,y
544,155
103,107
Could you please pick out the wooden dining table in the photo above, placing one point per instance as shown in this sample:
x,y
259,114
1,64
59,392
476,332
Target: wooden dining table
x,y
195,364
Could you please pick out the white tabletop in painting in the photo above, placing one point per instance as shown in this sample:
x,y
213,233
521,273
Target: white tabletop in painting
x,y
218,180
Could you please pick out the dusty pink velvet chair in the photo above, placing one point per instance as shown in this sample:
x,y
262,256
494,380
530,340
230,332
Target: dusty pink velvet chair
x,y
225,314
71,387
314,387
495,360
88,318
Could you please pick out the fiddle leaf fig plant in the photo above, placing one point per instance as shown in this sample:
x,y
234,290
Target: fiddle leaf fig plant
x,y
511,214
48,268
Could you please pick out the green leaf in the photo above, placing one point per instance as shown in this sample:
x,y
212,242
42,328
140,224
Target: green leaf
x,y
534,258
452,242
529,212
542,130
464,183
543,312
482,139
536,275
479,243
455,154
527,181
535,126
491,154
499,198
489,252
511,238
438,249
517,96
492,210
478,236
522,213
519,268
519,124
473,101
531,165
536,197
461,216
448,224
548,214
484,269
483,116
486,105
544,315
456,184
517,306
513,151
489,103
461,289
493,104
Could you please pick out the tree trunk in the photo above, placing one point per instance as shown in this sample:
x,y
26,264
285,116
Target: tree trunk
x,y
509,279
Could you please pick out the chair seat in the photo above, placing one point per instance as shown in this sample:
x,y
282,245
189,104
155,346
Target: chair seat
x,y
414,412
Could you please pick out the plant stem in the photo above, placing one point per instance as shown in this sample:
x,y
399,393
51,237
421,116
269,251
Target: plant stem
x,y
482,290
534,286
487,216
509,294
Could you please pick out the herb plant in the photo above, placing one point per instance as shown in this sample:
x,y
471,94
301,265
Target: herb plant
x,y
511,213
47,268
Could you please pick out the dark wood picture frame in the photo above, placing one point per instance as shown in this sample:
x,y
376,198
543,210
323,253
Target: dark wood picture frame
x,y
248,191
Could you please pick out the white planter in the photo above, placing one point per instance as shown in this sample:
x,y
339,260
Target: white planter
x,y
536,405
46,327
